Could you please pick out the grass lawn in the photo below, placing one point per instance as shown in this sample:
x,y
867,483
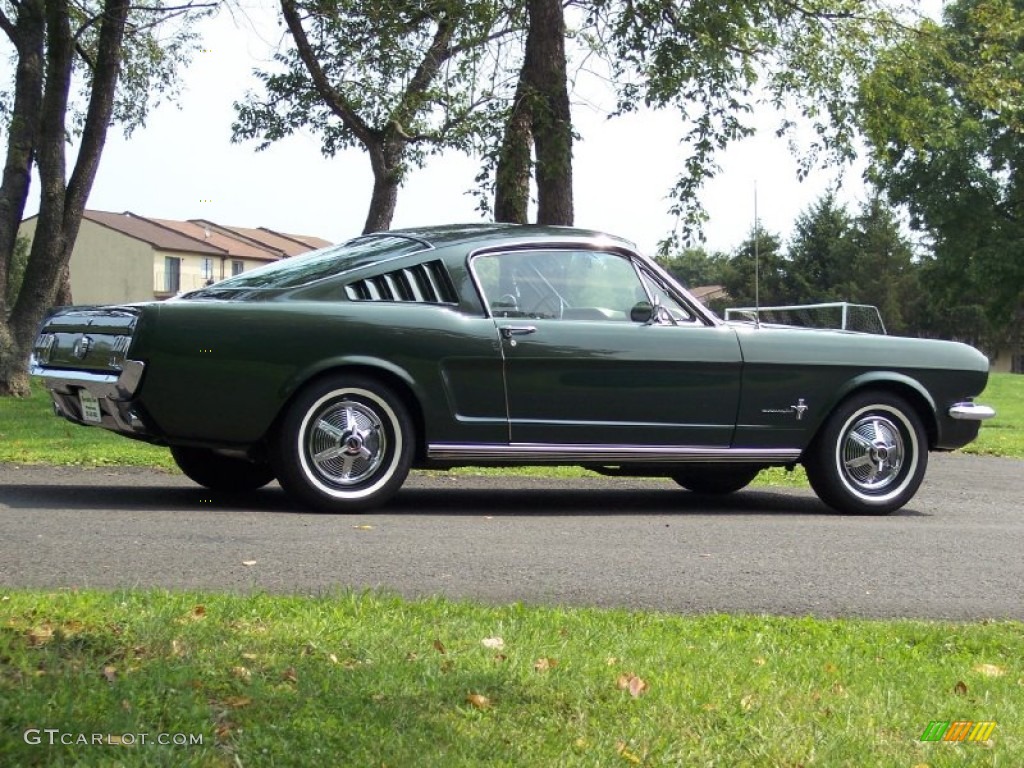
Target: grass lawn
x,y
371,680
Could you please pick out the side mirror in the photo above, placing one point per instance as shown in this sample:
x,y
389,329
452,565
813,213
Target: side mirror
x,y
642,312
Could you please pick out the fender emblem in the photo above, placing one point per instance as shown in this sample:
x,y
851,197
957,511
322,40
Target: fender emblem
x,y
800,409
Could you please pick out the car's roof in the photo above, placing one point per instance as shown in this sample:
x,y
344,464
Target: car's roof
x,y
496,234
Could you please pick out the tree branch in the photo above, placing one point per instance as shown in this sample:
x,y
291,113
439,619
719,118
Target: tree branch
x,y
334,99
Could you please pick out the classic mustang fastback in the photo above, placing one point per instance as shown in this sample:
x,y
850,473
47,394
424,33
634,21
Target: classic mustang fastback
x,y
338,371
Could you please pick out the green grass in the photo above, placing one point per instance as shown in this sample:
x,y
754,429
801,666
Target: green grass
x,y
370,679
1004,434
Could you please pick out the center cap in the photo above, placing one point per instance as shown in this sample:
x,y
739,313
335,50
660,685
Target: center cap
x,y
353,443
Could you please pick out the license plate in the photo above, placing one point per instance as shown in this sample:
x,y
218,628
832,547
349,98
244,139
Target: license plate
x,y
90,406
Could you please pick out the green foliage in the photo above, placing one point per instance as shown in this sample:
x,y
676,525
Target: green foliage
x,y
379,680
951,152
372,54
714,62
695,266
822,254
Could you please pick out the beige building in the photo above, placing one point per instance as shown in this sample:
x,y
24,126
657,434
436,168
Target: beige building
x,y
123,257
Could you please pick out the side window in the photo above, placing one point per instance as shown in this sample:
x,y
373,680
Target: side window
x,y
567,285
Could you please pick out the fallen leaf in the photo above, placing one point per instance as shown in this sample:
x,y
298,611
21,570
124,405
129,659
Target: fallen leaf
x,y
110,673
479,701
363,527
176,647
439,647
412,656
332,658
544,664
250,656
223,730
749,701
500,657
126,705
290,675
237,702
635,685
611,661
960,689
624,752
759,661
242,673
40,635
989,670
248,562
493,642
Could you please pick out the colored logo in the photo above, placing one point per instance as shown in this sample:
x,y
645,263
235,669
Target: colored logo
x,y
958,730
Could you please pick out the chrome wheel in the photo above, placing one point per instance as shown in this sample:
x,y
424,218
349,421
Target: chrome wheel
x,y
346,443
870,456
872,453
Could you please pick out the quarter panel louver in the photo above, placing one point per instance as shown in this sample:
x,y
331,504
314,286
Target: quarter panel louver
x,y
426,283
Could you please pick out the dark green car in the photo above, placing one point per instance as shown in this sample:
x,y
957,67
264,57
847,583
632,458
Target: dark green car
x,y
338,371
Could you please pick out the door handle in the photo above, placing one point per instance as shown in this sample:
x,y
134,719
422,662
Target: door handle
x,y
508,331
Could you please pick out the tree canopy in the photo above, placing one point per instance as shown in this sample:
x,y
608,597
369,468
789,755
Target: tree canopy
x,y
952,153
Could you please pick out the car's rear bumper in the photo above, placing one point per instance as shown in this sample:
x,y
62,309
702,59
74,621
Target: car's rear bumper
x,y
96,399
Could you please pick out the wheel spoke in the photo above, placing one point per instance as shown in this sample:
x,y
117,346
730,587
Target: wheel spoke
x,y
864,460
329,429
327,454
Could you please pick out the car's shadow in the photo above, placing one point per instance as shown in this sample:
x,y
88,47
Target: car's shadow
x,y
452,500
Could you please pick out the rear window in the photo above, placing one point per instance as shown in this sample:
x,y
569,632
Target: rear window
x,y
310,267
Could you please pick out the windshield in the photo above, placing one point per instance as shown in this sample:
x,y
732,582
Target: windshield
x,y
310,267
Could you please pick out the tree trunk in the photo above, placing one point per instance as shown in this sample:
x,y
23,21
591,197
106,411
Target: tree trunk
x,y
28,36
386,157
545,71
512,174
61,203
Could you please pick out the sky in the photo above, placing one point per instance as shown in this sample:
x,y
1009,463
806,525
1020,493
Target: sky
x,y
182,165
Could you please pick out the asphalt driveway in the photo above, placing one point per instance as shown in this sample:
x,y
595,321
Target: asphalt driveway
x,y
954,552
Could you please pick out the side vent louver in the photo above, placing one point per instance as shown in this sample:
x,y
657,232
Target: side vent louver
x,y
423,283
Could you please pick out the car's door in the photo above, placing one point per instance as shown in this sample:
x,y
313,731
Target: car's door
x,y
581,369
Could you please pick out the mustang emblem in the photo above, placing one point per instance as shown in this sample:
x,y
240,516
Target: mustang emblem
x,y
800,408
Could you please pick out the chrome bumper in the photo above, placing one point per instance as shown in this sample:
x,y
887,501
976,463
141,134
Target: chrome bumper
x,y
971,412
112,390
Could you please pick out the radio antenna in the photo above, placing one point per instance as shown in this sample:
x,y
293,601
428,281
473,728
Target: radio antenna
x,y
757,263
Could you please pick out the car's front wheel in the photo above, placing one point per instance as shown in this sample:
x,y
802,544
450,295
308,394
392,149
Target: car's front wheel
x,y
345,444
870,456
717,479
219,472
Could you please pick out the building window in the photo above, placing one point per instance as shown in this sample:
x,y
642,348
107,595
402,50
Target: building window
x,y
237,266
172,274
208,270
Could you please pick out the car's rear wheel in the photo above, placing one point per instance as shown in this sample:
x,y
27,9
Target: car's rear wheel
x,y
716,479
345,444
218,472
870,456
